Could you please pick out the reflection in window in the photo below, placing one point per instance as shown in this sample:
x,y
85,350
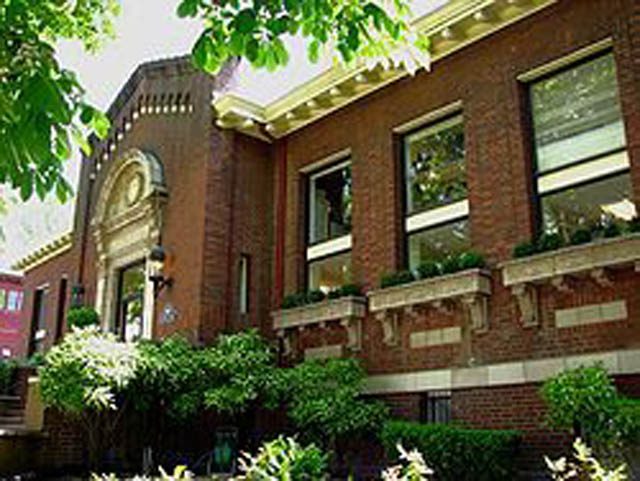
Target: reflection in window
x,y
14,301
435,167
330,199
330,273
131,302
435,407
3,299
438,242
589,205
583,177
576,114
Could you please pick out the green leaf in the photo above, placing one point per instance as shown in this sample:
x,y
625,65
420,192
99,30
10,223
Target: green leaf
x,y
245,21
100,124
188,8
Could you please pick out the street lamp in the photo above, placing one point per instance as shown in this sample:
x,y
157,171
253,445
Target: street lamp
x,y
157,257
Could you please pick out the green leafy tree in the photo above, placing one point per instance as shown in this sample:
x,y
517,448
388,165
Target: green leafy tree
x,y
42,108
324,401
41,104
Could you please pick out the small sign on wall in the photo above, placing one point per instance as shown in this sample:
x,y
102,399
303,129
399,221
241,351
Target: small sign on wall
x,y
169,314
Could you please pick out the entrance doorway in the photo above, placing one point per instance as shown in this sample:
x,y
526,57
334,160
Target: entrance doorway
x,y
131,285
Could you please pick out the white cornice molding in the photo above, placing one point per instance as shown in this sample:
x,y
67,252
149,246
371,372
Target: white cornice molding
x,y
47,252
450,28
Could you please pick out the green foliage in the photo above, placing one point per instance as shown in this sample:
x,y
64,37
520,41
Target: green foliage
x,y
315,296
396,279
634,225
584,401
348,290
549,242
226,376
7,374
456,453
581,236
255,31
284,459
291,301
87,371
428,269
584,466
524,249
471,260
323,399
41,104
302,299
82,317
449,265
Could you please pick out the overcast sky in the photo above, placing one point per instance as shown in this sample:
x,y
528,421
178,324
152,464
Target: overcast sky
x,y
146,30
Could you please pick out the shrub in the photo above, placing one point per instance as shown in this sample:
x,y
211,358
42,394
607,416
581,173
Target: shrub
x,y
7,374
450,264
471,260
350,290
396,279
414,467
581,236
611,229
283,459
524,249
583,401
634,225
549,242
456,453
290,301
82,317
315,296
428,269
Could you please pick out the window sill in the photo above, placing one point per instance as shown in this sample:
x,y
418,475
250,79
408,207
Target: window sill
x,y
557,268
472,287
597,255
349,311
330,310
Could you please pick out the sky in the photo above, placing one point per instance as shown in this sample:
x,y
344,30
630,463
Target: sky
x,y
146,30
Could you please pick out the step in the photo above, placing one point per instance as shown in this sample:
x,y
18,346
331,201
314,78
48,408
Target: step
x,y
8,398
13,412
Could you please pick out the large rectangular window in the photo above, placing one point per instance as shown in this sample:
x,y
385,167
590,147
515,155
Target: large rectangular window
x,y
582,166
435,407
329,236
436,191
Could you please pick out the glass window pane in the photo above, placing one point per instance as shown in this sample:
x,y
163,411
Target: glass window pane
x,y
438,242
435,167
586,205
132,285
330,204
13,301
330,273
576,114
3,298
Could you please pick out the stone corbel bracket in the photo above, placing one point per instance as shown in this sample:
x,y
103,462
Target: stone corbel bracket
x,y
527,297
389,321
477,306
353,325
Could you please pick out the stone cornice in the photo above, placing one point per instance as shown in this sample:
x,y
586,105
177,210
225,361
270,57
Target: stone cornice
x,y
450,28
53,249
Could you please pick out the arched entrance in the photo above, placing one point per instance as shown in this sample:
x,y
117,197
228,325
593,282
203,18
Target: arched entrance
x,y
126,225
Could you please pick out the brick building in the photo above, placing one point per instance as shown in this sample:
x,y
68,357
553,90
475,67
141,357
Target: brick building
x,y
528,123
11,342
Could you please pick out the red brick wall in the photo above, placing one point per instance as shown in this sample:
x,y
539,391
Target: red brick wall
x,y
49,274
482,76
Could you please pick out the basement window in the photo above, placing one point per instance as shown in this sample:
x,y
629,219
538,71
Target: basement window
x,y
435,407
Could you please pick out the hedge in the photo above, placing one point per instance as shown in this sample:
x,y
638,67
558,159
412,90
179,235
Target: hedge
x,y
456,453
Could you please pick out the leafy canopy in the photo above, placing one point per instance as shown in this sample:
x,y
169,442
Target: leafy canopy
x,y
41,104
377,31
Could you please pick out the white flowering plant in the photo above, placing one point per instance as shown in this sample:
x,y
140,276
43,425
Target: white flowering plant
x,y
413,467
584,466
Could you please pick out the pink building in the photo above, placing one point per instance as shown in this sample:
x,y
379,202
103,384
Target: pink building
x,y
11,295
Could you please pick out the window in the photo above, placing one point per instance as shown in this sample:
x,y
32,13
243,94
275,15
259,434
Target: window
x,y
3,299
436,191
131,302
582,167
329,221
435,407
14,301
38,320
62,301
244,287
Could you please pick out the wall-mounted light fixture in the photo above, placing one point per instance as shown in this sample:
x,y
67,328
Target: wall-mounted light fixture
x,y
157,257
